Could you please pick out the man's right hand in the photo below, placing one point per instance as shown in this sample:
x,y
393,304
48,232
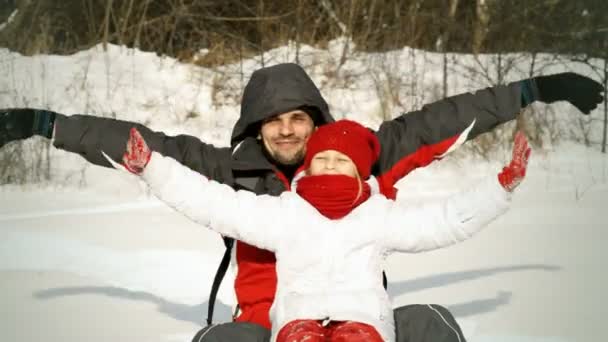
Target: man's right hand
x,y
17,124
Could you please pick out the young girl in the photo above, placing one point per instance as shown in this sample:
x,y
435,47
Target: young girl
x,y
331,235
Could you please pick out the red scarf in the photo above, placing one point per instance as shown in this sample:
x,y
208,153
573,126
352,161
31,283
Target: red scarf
x,y
334,196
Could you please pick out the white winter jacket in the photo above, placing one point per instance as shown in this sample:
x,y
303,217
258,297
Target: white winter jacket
x,y
327,269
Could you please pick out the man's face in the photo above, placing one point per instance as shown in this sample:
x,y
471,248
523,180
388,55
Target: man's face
x,y
285,136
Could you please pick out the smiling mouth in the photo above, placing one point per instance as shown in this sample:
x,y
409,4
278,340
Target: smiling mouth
x,y
289,142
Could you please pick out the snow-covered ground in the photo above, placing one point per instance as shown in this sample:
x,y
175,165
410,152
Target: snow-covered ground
x,y
105,262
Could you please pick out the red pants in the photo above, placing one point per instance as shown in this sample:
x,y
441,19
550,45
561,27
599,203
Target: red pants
x,y
312,331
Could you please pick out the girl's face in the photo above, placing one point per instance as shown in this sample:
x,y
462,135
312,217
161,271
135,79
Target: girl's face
x,y
331,162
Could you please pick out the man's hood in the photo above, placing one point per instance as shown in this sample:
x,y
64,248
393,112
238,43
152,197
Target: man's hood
x,y
274,90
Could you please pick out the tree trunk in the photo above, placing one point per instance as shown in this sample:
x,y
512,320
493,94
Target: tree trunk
x,y
605,105
298,30
444,43
480,28
106,25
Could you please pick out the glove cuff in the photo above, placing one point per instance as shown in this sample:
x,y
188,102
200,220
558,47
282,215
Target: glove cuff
x,y
529,91
506,178
44,121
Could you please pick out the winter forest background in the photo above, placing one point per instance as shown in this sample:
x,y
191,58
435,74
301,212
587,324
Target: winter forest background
x,y
407,53
87,254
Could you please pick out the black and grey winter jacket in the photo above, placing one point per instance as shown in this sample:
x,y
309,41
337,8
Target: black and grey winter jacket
x,y
412,140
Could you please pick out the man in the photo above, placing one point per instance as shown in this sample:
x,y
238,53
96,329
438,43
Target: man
x,y
280,108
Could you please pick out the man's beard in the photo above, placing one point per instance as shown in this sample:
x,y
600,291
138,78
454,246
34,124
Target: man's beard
x,y
291,160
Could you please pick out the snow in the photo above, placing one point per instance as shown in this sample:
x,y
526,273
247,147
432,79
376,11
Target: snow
x,y
105,261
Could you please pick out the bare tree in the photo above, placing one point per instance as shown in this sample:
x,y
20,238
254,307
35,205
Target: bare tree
x,y
605,131
106,24
443,42
480,29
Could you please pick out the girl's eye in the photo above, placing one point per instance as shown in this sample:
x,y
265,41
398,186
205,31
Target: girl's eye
x,y
342,160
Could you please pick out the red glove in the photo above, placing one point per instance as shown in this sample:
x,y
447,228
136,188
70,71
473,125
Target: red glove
x,y
514,173
138,153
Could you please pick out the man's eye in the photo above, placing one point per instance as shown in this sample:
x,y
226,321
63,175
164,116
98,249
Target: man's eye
x,y
271,119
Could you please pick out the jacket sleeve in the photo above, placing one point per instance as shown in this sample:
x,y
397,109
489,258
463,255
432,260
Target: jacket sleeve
x,y
257,220
89,135
443,223
418,138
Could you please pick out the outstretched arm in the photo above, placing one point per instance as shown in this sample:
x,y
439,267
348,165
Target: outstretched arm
x,y
418,138
238,214
89,135
457,218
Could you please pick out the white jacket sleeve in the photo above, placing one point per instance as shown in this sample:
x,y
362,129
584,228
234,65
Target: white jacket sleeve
x,y
257,220
445,222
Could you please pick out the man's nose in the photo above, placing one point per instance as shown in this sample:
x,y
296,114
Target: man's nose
x,y
286,128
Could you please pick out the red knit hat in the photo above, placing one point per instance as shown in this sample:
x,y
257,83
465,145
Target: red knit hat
x,y
357,142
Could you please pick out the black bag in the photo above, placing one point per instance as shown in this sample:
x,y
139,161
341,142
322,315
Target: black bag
x,y
426,323
233,332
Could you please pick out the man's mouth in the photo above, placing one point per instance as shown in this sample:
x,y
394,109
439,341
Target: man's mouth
x,y
286,142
